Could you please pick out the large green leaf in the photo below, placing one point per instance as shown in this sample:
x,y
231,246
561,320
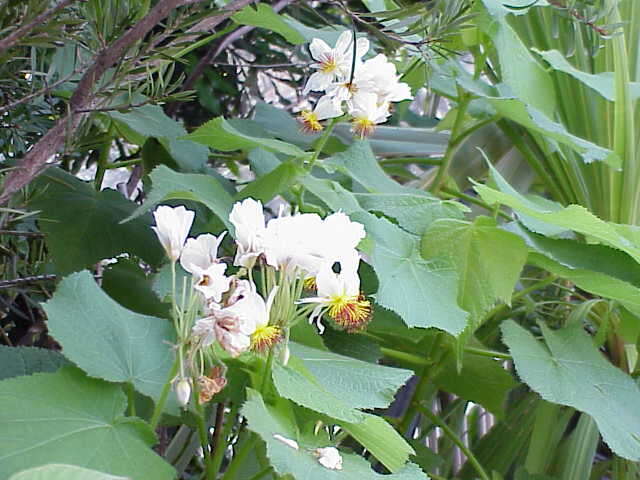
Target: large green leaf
x,y
58,471
277,181
573,217
336,385
264,16
413,212
150,121
170,185
571,371
301,463
108,341
424,293
66,417
82,225
478,251
18,361
221,135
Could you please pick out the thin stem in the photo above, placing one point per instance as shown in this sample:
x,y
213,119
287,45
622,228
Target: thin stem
x,y
456,136
204,439
157,411
103,159
321,143
131,399
473,200
487,353
456,440
124,163
220,443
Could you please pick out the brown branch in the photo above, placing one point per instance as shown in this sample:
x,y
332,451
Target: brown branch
x,y
83,98
14,37
213,53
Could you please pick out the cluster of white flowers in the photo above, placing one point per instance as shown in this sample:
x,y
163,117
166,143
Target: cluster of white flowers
x,y
292,252
366,92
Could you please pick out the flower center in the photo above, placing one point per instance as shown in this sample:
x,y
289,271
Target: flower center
x,y
310,283
329,65
350,312
363,127
265,337
309,122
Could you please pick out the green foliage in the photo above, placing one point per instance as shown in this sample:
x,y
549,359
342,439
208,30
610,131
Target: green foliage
x,y
19,361
571,371
62,472
108,341
81,423
264,16
83,226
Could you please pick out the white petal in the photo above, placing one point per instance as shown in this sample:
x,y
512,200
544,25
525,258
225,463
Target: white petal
x,y
318,82
344,41
172,227
327,107
362,47
318,48
201,251
287,441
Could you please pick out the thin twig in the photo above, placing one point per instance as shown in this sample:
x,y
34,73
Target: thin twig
x,y
26,280
261,65
15,37
20,233
42,91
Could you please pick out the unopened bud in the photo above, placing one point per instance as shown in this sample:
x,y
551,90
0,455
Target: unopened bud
x,y
183,391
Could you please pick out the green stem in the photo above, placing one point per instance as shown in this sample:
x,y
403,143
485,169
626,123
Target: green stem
x,y
261,473
103,160
157,411
455,439
473,200
124,163
487,353
238,458
266,374
131,399
221,444
204,439
456,137
321,143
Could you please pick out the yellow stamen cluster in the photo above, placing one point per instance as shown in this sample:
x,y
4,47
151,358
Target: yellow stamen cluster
x,y
329,65
310,284
309,122
350,312
363,127
265,337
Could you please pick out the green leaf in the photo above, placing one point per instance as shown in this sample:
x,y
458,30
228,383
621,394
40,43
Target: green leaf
x,y
55,471
108,341
80,423
424,293
83,226
127,283
17,361
576,255
518,66
481,380
336,385
264,16
170,185
593,282
571,371
301,463
413,212
273,183
221,135
573,217
603,83
150,121
382,440
279,123
478,251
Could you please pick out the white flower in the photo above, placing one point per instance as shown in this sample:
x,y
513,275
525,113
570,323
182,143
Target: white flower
x,y
367,113
339,295
200,252
248,219
172,227
327,107
291,242
333,63
379,77
211,281
183,391
341,236
329,457
287,441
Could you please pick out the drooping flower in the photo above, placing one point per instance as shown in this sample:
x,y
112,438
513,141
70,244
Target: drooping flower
x,y
326,108
248,219
211,384
339,295
201,252
172,227
329,457
333,63
211,281
367,113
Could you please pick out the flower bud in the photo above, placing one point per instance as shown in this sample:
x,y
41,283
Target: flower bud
x,y
183,391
